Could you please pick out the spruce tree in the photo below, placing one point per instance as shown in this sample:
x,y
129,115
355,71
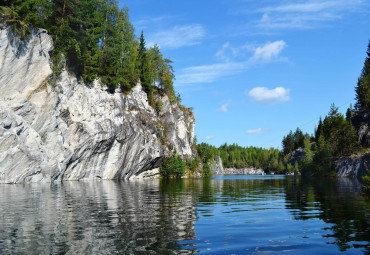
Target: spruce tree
x,y
143,66
363,85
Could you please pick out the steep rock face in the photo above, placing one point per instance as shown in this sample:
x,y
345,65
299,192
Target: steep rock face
x,y
76,131
296,155
217,168
353,166
361,122
243,171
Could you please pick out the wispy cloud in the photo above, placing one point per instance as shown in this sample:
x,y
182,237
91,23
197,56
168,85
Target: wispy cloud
x,y
228,52
210,137
265,95
257,131
304,15
178,36
208,73
269,52
223,108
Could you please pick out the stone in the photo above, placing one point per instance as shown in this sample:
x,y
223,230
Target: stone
x,y
71,130
353,166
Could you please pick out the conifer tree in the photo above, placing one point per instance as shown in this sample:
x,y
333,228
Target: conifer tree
x,y
128,52
143,66
363,85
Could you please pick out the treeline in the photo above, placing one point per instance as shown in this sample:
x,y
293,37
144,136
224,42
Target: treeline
x,y
94,38
334,136
235,156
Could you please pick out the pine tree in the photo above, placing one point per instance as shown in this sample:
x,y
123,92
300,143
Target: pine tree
x,y
363,85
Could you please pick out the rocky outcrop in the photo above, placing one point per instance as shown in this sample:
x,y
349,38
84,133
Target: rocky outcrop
x,y
353,166
361,122
217,167
70,130
296,156
243,171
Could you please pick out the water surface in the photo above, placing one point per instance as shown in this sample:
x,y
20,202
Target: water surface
x,y
221,215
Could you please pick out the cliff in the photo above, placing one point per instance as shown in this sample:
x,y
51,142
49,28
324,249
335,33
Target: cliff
x,y
353,166
357,165
70,130
243,171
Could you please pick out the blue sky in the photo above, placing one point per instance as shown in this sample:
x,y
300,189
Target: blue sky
x,y
253,70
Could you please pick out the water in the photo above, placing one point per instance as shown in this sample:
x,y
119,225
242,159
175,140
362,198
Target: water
x,y
222,215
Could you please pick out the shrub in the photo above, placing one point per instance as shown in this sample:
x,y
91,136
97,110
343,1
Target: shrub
x,y
172,167
206,171
366,182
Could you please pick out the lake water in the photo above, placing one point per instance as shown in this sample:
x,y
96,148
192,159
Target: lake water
x,y
221,215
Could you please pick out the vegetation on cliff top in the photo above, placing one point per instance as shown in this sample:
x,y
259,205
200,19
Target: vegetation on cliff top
x,y
94,38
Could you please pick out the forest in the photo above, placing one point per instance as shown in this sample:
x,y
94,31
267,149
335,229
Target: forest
x,y
334,136
94,38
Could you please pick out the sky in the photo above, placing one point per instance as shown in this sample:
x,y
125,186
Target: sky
x,y
254,70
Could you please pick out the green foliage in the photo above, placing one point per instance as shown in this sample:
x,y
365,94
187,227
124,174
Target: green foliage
x,y
206,171
334,137
235,156
144,68
193,164
339,134
293,141
207,152
94,38
172,167
296,167
281,167
289,167
363,85
366,182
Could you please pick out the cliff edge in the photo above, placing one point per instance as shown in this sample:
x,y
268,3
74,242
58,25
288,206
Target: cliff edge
x,y
70,130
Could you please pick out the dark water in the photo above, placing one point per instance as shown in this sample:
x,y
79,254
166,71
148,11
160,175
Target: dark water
x,y
224,215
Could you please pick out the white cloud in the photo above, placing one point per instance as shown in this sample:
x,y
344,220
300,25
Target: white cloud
x,y
265,95
210,137
257,131
306,14
268,52
223,108
208,73
228,52
178,36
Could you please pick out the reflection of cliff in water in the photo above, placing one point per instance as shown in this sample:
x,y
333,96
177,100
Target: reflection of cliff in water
x,y
335,201
94,218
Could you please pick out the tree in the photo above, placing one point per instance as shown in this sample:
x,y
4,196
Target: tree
x,y
363,85
172,167
288,143
298,139
206,171
23,14
339,134
349,113
318,130
143,66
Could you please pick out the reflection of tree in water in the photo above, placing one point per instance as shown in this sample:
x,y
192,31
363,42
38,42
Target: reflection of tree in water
x,y
335,201
95,218
154,217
